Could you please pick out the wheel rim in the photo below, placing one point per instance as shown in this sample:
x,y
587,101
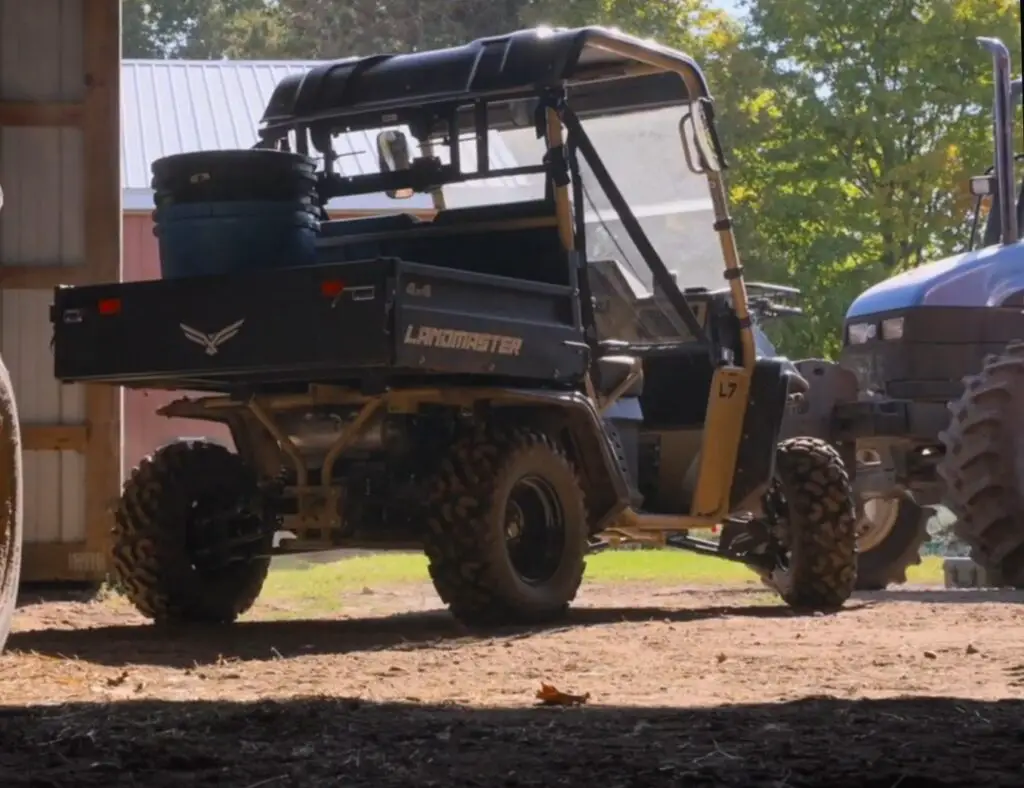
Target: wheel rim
x,y
534,530
877,520
219,531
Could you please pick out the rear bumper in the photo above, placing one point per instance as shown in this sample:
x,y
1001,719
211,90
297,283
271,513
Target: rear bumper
x,y
889,418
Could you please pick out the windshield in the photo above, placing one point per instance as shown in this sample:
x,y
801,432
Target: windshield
x,y
643,152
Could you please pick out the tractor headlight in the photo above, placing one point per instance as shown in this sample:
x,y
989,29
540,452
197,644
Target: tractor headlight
x,y
892,328
859,333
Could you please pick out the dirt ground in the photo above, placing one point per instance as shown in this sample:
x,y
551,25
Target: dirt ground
x,y
911,688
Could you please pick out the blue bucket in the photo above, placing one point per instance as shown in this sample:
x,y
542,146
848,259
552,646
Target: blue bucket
x,y
203,239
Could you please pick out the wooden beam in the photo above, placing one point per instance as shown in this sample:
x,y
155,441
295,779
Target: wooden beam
x,y
101,140
40,277
54,437
40,113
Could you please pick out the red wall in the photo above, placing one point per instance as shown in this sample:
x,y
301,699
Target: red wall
x,y
144,430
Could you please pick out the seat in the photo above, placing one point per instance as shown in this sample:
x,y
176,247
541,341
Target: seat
x,y
612,371
367,225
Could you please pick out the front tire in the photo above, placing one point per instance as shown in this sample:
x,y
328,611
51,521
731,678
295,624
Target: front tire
x,y
983,465
177,512
812,504
508,528
11,502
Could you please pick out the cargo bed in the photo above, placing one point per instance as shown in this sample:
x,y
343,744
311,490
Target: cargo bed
x,y
373,319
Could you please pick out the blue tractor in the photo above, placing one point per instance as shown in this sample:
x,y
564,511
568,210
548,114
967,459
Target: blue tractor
x,y
926,402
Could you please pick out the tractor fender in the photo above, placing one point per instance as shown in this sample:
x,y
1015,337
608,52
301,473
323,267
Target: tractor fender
x,y
810,413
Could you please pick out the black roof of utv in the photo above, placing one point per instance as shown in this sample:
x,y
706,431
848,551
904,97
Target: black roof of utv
x,y
358,92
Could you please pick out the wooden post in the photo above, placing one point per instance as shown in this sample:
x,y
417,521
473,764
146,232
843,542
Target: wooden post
x,y
101,133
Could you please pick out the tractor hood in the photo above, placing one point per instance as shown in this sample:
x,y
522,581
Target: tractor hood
x,y
983,277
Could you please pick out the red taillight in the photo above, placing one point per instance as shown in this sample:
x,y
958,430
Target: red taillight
x,y
332,288
109,306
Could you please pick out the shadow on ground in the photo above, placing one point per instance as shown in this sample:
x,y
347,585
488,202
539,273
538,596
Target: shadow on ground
x,y
945,596
260,640
934,596
910,743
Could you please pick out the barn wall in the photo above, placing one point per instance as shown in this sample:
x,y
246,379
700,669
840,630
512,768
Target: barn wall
x,y
60,173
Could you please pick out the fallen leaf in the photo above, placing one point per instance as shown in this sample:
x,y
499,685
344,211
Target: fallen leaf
x,y
117,681
550,695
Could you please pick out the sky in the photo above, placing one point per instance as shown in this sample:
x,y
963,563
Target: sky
x,y
726,5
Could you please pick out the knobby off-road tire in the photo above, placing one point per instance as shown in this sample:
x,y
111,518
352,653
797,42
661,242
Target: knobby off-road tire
x,y
983,466
11,501
887,562
820,527
153,554
484,484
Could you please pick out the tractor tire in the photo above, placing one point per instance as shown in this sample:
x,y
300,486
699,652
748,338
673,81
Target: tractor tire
x,y
508,528
885,560
11,503
156,556
982,466
819,517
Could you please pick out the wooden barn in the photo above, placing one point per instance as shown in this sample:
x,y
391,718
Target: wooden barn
x,y
61,223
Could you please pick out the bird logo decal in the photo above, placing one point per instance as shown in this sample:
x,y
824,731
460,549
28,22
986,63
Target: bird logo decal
x,y
212,342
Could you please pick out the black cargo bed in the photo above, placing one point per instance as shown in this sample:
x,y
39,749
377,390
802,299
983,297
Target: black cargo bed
x,y
332,322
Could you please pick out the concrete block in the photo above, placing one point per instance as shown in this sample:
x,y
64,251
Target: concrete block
x,y
962,572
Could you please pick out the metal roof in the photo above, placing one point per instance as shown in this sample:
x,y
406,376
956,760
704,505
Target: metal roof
x,y
176,106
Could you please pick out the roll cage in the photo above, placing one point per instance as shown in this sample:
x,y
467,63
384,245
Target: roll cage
x,y
548,79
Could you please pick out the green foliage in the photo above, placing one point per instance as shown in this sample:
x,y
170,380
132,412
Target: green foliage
x,y
198,29
853,128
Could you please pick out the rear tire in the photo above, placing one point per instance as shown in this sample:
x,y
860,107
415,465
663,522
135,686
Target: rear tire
x,y
164,520
508,528
983,466
11,501
816,520
886,561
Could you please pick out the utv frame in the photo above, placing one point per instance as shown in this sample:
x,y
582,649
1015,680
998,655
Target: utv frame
x,y
589,65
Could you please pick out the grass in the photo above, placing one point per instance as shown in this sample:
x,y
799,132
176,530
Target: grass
x,y
324,582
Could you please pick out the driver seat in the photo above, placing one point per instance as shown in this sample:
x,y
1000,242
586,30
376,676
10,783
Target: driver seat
x,y
614,366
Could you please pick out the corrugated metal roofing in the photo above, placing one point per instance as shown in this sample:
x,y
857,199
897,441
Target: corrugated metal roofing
x,y
176,106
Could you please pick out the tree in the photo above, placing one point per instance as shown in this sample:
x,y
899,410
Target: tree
x,y
853,127
326,29
199,29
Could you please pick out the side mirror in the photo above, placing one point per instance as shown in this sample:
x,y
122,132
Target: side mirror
x,y
704,136
983,185
393,156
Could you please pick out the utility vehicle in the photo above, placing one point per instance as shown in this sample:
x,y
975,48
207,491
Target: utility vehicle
x,y
451,383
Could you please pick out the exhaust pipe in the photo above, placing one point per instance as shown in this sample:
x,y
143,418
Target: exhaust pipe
x,y
1003,131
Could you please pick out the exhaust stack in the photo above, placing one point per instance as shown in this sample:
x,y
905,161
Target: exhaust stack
x,y
1003,131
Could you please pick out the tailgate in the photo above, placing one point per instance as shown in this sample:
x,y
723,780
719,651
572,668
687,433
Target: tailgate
x,y
285,322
